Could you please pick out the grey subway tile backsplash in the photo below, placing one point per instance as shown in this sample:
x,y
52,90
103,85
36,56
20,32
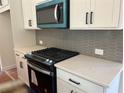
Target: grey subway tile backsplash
x,y
85,42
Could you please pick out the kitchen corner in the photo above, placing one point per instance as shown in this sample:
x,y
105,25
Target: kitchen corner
x,y
62,46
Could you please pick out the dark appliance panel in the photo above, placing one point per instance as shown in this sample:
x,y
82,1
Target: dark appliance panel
x,y
45,83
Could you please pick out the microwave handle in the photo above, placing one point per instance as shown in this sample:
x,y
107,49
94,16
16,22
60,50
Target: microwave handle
x,y
56,13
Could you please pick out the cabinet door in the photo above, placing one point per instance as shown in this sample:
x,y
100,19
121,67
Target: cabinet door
x,y
79,14
4,3
27,13
1,3
17,63
64,87
24,70
102,13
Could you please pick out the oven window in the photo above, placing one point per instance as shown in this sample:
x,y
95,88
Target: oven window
x,y
40,82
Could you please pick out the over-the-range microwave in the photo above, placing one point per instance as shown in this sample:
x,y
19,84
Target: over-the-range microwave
x,y
53,14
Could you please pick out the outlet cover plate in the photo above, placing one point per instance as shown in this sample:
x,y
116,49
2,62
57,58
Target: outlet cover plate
x,y
99,52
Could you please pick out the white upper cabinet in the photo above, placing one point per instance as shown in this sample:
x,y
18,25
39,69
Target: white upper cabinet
x,y
79,12
28,14
4,5
40,1
103,13
94,14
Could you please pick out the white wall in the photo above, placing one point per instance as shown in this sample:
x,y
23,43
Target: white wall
x,y
0,64
21,37
12,33
6,41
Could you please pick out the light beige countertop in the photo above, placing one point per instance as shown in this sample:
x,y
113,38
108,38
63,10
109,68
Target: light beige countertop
x,y
98,71
28,49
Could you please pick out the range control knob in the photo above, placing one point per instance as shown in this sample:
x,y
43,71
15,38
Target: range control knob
x,y
47,60
50,61
30,53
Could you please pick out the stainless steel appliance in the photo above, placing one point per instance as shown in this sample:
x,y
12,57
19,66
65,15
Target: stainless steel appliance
x,y
42,73
53,14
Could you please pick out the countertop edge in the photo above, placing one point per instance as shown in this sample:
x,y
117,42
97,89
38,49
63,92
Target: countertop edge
x,y
86,78
20,50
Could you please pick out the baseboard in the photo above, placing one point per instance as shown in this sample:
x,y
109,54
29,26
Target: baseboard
x,y
8,67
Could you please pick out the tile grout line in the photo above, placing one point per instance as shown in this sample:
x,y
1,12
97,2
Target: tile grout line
x,y
9,75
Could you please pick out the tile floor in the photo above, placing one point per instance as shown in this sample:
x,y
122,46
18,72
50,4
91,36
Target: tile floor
x,y
16,86
8,75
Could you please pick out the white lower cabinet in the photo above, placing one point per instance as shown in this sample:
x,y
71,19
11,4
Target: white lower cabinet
x,y
64,87
69,83
22,68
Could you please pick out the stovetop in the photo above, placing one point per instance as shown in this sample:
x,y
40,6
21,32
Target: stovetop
x,y
54,54
46,58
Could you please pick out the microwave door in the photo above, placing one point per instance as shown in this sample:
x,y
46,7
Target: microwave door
x,y
47,15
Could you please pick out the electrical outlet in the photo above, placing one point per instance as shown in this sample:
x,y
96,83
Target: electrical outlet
x,y
99,52
40,42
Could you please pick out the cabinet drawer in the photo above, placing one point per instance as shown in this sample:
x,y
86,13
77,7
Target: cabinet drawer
x,y
80,83
64,87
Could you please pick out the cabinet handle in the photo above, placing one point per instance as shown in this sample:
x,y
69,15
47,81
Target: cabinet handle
x,y
87,17
23,57
30,22
72,91
17,54
91,17
21,64
77,83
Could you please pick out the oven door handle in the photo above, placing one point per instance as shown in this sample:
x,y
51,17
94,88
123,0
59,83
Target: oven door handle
x,y
40,70
56,13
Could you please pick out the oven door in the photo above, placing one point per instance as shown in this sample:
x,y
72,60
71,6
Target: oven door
x,y
41,80
52,14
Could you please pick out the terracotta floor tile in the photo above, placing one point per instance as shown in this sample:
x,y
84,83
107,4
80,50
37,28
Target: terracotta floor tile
x,y
4,77
13,73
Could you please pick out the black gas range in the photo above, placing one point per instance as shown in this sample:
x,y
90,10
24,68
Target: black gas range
x,y
42,73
